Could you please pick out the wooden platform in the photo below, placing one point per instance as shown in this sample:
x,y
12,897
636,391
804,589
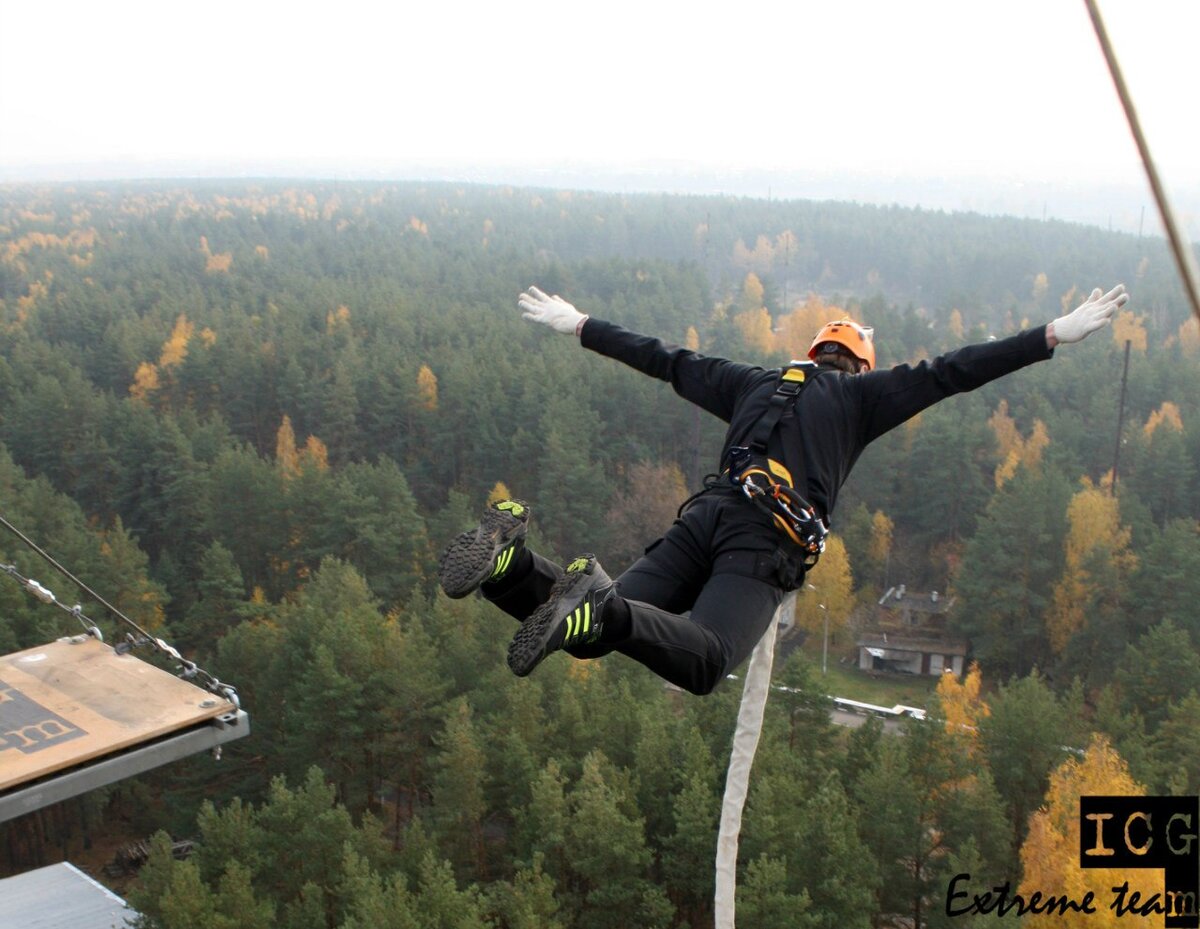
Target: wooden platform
x,y
73,702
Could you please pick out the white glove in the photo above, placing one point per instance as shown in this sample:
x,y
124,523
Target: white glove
x,y
1094,313
554,311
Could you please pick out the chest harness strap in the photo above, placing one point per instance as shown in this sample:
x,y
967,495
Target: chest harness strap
x,y
767,483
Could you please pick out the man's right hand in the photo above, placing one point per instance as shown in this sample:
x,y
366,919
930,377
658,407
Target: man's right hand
x,y
554,311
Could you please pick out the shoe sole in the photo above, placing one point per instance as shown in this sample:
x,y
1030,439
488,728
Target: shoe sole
x,y
528,645
469,560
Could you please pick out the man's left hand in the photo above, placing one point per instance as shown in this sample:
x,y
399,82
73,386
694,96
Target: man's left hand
x,y
1094,313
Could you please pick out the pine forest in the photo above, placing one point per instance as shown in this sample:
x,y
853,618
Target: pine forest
x,y
251,414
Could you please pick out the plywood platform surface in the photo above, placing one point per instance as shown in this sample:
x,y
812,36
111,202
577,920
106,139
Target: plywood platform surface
x,y
70,702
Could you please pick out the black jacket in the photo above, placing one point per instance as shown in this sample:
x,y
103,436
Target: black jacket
x,y
836,415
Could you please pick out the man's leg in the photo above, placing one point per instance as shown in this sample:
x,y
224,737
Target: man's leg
x,y
588,616
713,562
525,587
493,559
696,652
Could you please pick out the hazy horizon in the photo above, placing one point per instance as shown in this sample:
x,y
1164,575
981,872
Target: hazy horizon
x,y
1128,208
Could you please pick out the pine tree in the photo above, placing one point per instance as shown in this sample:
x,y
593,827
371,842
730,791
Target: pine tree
x,y
1168,576
458,791
441,904
379,530
1023,740
1151,676
1008,569
529,902
763,900
375,903
606,851
220,592
571,481
691,847
1176,748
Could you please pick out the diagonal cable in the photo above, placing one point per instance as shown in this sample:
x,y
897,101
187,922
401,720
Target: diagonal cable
x,y
1185,259
189,668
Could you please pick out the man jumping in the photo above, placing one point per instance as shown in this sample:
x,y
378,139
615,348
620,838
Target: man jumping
x,y
748,537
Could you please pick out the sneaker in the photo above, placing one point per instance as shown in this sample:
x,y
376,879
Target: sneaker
x,y
572,615
487,552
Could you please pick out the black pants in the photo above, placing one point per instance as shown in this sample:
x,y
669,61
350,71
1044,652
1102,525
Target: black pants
x,y
721,562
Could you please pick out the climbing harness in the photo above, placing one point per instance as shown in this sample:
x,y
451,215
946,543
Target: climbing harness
x,y
791,513
766,482
137,637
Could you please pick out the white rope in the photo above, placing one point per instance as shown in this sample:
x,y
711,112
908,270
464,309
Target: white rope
x,y
741,757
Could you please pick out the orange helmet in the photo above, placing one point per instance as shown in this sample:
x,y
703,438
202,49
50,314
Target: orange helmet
x,y
857,340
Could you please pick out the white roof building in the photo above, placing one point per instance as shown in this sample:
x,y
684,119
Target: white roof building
x,y
60,896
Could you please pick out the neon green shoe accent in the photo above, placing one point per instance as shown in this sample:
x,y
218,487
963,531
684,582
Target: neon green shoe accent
x,y
503,561
512,507
577,565
579,622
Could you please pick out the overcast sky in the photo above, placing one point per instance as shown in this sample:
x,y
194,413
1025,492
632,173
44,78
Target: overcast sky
x,y
1011,89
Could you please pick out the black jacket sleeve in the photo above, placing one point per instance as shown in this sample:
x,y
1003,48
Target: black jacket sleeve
x,y
713,384
891,397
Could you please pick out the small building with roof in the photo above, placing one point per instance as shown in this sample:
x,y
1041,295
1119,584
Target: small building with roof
x,y
909,635
910,654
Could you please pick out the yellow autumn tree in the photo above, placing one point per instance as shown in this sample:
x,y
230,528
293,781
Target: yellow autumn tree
x,y
831,592
1189,337
879,549
1013,450
691,340
753,292
962,705
338,318
1128,327
1067,300
427,389
149,377
315,454
955,324
786,246
763,256
287,459
499,492
797,329
175,349
1008,439
1050,853
145,382
760,258
1094,524
1040,285
219,264
1166,415
755,327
